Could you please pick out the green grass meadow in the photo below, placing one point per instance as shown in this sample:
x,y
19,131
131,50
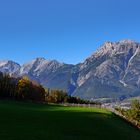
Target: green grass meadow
x,y
29,121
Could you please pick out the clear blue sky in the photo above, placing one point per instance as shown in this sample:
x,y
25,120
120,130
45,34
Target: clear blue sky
x,y
66,30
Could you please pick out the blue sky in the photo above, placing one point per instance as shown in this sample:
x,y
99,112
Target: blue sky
x,y
66,30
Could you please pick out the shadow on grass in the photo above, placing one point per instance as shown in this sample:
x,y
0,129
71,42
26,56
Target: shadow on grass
x,y
19,120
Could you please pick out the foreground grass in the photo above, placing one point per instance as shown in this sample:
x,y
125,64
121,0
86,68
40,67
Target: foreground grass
x,y
27,121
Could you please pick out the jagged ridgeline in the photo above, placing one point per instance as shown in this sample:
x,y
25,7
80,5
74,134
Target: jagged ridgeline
x,y
113,71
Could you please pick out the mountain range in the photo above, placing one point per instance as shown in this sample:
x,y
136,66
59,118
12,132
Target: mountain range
x,y
113,71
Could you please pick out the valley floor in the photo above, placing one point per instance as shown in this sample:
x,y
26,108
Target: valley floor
x,y
28,121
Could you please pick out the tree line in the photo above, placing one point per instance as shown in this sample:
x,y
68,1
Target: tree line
x,y
132,114
22,88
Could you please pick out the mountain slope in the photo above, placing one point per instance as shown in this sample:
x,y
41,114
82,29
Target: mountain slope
x,y
104,73
51,74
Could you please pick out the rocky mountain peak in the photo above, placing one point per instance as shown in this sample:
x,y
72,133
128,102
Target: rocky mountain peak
x,y
8,66
40,59
110,49
3,62
127,41
39,65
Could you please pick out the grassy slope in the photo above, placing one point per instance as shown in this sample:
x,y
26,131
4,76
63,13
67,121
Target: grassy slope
x,y
26,121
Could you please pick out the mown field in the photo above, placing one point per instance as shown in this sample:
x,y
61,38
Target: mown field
x,y
28,121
